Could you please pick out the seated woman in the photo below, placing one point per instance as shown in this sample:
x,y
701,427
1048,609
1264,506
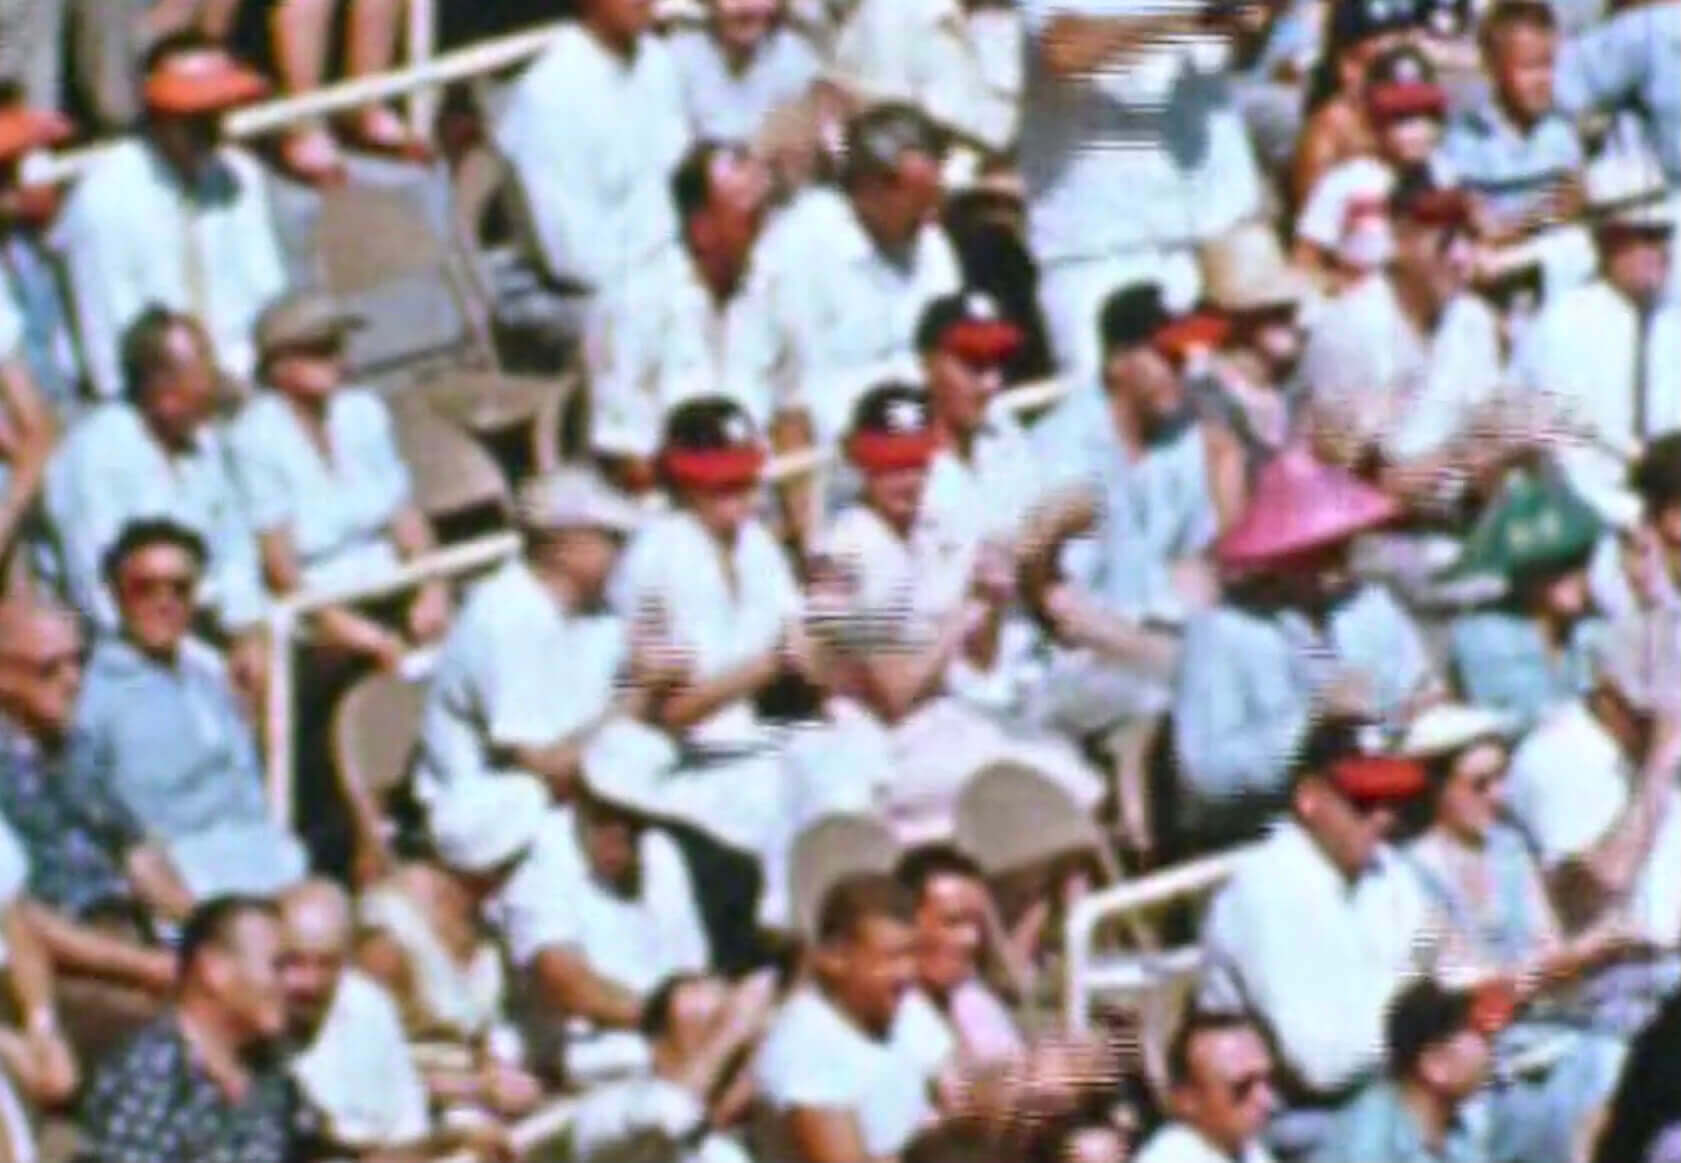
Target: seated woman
x,y
916,601
323,481
1530,653
423,938
1495,920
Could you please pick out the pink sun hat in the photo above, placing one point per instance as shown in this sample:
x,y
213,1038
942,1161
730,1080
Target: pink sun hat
x,y
1299,505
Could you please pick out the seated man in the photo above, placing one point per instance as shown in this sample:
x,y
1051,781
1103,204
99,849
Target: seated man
x,y
600,913
1221,1072
158,454
850,1066
1295,638
325,487
1152,485
174,217
97,880
1440,1053
697,323
1319,927
1593,787
746,62
160,717
351,1058
700,1035
950,895
918,599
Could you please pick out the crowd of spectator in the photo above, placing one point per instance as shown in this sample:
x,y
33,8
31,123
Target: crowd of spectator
x,y
1345,540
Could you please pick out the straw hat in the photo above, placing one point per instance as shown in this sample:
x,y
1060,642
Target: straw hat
x,y
1626,188
485,823
1301,504
574,498
623,764
1244,270
1449,727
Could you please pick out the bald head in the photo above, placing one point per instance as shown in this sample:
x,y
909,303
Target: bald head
x,y
317,920
40,666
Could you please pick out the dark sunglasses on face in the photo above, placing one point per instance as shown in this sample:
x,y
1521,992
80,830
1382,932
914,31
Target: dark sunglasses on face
x,y
160,585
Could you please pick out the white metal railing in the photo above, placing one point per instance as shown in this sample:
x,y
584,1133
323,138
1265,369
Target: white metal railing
x,y
543,1125
285,616
1134,971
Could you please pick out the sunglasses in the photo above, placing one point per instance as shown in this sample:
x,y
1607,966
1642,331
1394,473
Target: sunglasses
x,y
173,585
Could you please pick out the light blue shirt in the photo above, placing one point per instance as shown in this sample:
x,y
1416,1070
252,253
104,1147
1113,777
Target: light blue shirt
x,y
1511,168
1247,682
1378,1125
1632,61
729,105
1501,662
110,471
338,507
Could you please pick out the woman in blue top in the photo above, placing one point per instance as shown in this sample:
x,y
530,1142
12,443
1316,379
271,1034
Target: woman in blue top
x,y
1496,921
1530,652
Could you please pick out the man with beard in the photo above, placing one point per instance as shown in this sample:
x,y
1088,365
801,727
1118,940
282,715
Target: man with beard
x,y
1296,640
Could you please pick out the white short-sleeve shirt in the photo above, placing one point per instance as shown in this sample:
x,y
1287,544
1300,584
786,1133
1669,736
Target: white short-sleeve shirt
x,y
338,510
815,1057
359,1071
516,670
554,901
724,619
1569,784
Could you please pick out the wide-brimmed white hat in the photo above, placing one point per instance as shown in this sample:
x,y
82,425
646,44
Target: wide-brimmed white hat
x,y
624,764
1450,727
484,823
575,498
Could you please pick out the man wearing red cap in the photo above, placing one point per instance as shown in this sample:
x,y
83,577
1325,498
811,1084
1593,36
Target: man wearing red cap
x,y
1296,638
1320,926
920,602
756,757
174,217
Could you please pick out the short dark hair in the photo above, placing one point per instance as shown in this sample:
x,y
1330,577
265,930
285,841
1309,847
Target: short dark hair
x,y
864,896
1421,1016
1657,478
1194,1025
1536,14
691,181
145,345
881,135
187,40
655,1020
139,535
211,924
921,866
1329,739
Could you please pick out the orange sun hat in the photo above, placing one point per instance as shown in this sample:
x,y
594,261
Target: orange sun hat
x,y
200,82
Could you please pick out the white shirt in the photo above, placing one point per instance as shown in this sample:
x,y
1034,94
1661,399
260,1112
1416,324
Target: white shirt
x,y
1582,351
594,140
846,313
359,1071
516,670
131,236
1144,152
813,1056
554,901
1317,958
1569,784
727,105
989,495
1412,392
338,508
665,339
110,470
963,69
1346,214
675,565
14,875
646,1120
1178,1143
